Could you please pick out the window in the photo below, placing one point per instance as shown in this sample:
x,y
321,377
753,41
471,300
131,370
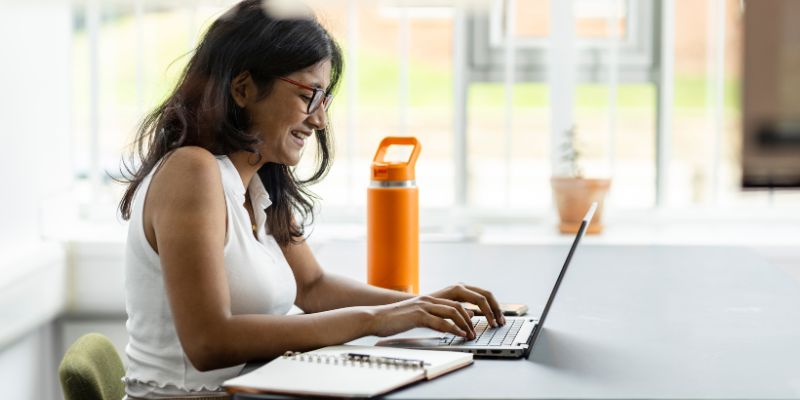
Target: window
x,y
476,87
126,60
612,100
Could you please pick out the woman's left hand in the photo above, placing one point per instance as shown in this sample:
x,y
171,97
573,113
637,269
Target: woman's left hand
x,y
482,298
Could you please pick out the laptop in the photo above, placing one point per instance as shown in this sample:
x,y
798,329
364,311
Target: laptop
x,y
515,339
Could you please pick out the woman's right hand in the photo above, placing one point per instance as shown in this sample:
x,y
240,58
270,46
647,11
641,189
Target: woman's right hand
x,y
422,311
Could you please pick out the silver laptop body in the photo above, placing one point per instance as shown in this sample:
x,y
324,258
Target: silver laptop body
x,y
515,339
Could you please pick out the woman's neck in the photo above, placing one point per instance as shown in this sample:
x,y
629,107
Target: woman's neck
x,y
245,163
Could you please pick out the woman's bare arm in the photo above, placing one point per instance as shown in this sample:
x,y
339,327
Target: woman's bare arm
x,y
318,290
321,291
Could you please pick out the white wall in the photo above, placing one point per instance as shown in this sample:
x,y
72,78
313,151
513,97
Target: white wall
x,y
23,363
34,113
35,76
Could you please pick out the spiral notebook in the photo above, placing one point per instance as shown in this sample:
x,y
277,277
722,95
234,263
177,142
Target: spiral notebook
x,y
347,371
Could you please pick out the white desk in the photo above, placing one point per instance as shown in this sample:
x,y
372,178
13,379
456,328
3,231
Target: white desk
x,y
638,322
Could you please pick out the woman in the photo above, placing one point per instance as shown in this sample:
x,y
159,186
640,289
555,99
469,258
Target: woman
x,y
215,256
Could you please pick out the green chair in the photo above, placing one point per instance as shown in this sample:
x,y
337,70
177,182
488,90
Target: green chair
x,y
92,370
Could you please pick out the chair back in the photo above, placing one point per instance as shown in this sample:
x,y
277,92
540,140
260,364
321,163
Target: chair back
x,y
92,370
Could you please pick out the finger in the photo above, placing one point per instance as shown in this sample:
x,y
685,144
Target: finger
x,y
470,308
482,302
467,315
444,311
493,304
441,325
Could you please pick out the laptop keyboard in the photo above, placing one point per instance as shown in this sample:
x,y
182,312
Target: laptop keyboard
x,y
486,335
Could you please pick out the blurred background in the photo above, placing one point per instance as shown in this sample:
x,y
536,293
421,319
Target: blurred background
x,y
653,88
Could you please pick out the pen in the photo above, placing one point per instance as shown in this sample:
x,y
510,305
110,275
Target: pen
x,y
385,360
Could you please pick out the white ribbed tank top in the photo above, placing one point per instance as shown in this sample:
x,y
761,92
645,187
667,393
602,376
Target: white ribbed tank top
x,y
259,278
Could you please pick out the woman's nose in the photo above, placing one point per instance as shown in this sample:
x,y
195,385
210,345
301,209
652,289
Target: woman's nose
x,y
319,118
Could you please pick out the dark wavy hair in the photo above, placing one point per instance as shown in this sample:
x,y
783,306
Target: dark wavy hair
x,y
201,111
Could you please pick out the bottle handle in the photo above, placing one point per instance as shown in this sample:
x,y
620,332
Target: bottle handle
x,y
401,140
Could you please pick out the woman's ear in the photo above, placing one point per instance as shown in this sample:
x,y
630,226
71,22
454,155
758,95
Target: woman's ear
x,y
243,89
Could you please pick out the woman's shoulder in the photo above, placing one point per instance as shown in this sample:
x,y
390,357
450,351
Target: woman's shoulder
x,y
188,169
190,162
191,158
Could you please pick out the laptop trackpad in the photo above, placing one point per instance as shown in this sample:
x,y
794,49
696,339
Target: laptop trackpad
x,y
411,342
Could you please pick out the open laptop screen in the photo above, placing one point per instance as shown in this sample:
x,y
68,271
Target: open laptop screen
x,y
584,224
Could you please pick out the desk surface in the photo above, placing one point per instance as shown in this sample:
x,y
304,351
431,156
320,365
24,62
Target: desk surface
x,y
628,322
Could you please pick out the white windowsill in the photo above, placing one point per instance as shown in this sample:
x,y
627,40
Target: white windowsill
x,y
621,228
95,251
79,219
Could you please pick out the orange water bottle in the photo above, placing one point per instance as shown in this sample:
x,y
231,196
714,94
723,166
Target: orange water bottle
x,y
393,216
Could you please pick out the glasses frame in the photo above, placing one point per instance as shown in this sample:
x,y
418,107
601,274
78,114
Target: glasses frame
x,y
319,97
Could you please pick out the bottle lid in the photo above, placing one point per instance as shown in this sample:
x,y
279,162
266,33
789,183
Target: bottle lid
x,y
395,159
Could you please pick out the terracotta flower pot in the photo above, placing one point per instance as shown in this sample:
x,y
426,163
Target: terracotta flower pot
x,y
573,196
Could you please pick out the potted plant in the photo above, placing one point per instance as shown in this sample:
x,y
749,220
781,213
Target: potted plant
x,y
573,193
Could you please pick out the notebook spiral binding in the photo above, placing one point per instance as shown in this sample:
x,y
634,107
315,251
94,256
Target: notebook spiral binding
x,y
345,360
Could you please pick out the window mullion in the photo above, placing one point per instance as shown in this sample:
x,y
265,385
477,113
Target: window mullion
x,y
93,30
404,39
460,93
718,95
509,61
612,23
561,75
138,12
666,81
352,97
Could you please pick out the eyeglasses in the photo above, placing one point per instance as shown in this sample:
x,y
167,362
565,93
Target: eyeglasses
x,y
318,98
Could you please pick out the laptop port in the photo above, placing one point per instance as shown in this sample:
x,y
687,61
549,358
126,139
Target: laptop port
x,y
481,351
497,351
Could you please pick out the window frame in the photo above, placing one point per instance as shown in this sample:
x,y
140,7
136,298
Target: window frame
x,y
638,58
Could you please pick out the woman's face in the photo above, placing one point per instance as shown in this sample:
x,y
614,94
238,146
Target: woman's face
x,y
280,118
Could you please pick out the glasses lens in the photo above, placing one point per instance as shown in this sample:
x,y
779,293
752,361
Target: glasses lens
x,y
328,101
316,99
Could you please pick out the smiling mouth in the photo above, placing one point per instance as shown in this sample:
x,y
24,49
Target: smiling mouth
x,y
300,137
